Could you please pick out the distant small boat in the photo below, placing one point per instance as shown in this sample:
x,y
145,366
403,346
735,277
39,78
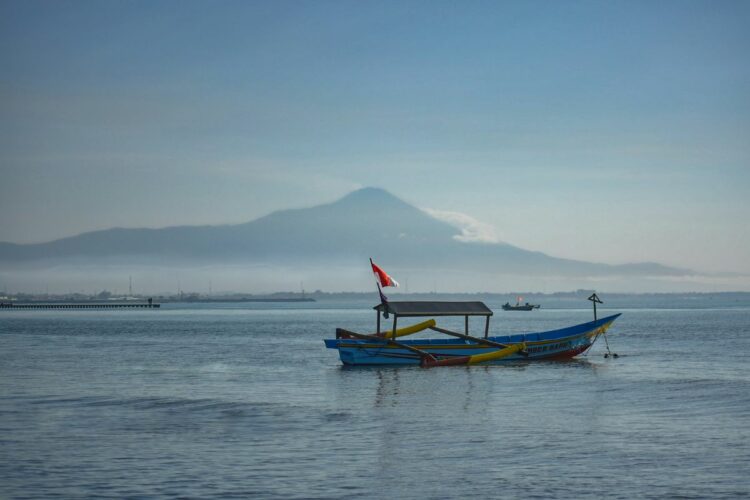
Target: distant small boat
x,y
519,306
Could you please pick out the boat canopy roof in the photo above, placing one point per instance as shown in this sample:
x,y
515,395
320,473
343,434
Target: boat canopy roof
x,y
428,308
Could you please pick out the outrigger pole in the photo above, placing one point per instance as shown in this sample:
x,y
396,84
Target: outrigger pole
x,y
478,340
426,357
427,360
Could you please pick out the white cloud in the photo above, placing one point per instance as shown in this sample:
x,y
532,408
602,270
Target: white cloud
x,y
472,230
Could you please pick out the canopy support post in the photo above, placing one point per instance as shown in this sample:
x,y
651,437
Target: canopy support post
x,y
466,324
486,326
377,315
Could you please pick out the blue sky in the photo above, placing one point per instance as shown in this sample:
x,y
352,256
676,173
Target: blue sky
x,y
606,131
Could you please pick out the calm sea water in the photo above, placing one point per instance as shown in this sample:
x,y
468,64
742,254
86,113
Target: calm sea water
x,y
245,401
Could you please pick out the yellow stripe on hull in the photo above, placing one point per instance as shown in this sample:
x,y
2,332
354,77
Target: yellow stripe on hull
x,y
599,331
499,354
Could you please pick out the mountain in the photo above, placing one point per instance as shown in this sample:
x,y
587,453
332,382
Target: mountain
x,y
367,222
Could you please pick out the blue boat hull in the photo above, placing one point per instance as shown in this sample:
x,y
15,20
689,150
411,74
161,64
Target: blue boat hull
x,y
554,344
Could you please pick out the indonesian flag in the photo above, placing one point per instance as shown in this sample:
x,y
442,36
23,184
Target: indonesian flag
x,y
382,277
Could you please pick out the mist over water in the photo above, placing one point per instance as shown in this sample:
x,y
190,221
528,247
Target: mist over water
x,y
348,276
242,400
328,247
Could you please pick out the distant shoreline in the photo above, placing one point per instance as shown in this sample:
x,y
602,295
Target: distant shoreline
x,y
556,300
95,302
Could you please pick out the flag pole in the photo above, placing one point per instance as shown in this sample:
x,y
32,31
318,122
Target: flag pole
x,y
383,298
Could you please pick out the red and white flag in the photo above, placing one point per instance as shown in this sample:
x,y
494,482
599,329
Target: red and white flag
x,y
382,277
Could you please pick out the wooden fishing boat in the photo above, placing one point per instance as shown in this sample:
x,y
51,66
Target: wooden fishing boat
x,y
383,348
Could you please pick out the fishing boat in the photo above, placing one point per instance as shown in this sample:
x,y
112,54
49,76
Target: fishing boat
x,y
519,306
386,347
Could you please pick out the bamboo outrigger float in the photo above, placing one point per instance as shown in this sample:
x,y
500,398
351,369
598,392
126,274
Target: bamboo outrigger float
x,y
383,348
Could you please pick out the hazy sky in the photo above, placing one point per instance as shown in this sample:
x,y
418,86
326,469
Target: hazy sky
x,y
605,131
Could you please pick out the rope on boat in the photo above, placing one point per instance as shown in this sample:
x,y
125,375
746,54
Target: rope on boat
x,y
606,342
594,301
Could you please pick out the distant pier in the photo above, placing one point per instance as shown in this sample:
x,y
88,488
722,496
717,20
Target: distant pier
x,y
81,305
252,299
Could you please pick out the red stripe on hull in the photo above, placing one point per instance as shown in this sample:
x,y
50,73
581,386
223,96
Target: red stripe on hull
x,y
459,360
568,354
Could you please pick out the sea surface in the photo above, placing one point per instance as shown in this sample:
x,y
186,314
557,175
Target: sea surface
x,y
243,401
